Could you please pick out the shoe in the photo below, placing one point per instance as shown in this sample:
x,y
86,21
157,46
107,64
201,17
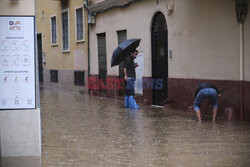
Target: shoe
x,y
132,103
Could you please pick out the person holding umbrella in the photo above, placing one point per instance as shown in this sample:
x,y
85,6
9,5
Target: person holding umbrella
x,y
126,51
130,77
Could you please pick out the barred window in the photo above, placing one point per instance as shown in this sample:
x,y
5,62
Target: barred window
x,y
54,76
65,30
79,24
53,30
79,78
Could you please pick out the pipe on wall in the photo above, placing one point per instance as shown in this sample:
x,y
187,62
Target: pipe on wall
x,y
85,5
241,7
241,54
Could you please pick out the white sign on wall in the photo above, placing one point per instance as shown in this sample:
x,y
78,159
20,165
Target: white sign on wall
x,y
17,62
139,73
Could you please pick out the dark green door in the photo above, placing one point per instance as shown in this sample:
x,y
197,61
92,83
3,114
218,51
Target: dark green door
x,y
159,59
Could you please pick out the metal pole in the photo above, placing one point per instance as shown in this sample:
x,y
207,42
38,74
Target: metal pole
x,y
87,3
241,52
36,63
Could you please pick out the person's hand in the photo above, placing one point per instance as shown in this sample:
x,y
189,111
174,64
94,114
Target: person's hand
x,y
125,77
136,65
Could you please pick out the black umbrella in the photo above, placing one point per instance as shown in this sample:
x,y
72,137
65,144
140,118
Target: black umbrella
x,y
123,50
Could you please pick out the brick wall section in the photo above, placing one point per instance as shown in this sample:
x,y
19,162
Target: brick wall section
x,y
147,93
246,95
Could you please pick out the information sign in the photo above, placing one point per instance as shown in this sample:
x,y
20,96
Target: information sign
x,y
17,62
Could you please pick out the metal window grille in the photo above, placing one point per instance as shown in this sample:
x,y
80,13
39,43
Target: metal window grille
x,y
79,78
102,58
79,23
53,76
65,30
53,30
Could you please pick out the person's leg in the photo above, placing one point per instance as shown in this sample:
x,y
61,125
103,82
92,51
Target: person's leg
x,y
126,95
198,114
201,96
126,102
132,102
129,87
214,100
197,103
214,114
133,86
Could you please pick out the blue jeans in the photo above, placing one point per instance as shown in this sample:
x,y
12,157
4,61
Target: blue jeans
x,y
207,93
130,87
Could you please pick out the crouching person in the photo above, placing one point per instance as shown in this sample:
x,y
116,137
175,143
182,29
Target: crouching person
x,y
129,77
206,91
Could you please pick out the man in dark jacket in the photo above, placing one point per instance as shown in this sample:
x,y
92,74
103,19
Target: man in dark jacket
x,y
129,77
206,91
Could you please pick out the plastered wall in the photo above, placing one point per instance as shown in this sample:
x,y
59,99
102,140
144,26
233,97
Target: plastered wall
x,y
246,31
8,7
203,36
76,58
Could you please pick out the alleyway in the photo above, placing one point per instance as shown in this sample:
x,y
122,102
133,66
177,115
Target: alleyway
x,y
79,130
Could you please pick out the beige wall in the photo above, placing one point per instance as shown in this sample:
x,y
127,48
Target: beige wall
x,y
136,19
8,8
203,37
76,58
246,46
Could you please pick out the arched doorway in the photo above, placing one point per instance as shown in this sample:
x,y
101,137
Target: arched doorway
x,y
159,37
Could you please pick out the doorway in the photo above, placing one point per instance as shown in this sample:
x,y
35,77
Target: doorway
x,y
122,36
159,39
102,59
40,57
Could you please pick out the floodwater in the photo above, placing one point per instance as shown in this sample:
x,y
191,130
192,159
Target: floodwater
x,y
80,130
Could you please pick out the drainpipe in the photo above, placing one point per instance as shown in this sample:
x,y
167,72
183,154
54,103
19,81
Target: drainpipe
x,y
88,55
86,3
241,13
241,49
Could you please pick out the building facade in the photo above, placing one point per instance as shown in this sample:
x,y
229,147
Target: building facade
x,y
62,43
183,43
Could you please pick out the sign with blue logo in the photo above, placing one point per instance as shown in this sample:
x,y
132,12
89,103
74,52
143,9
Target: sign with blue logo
x,y
17,63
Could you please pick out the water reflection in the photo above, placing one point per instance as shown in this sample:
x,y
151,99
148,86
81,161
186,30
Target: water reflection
x,y
79,130
20,162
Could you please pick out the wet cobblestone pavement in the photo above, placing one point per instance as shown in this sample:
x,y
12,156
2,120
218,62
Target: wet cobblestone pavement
x,y
82,131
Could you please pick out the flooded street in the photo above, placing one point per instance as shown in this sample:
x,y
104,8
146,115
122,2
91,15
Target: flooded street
x,y
80,130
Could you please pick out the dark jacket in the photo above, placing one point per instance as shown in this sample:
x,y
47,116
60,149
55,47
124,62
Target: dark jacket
x,y
205,85
130,66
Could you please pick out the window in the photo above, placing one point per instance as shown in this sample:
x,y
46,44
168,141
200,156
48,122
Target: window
x,y
54,76
53,30
79,78
102,58
65,30
79,24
